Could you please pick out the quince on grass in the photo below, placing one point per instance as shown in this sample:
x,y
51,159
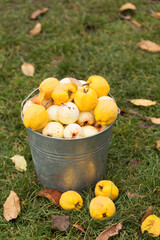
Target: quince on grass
x,y
106,112
152,225
71,200
86,99
106,188
48,85
64,93
35,117
99,84
101,207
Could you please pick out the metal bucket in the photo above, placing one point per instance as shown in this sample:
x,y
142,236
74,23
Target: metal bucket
x,y
66,164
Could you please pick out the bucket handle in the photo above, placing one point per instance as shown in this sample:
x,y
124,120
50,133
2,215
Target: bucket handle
x,y
24,101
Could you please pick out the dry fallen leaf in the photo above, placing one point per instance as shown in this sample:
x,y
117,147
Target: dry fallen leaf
x,y
155,14
134,162
142,102
36,30
11,206
134,23
155,120
127,6
145,125
132,195
20,163
152,225
148,212
158,144
60,222
79,227
38,12
27,69
51,194
149,46
76,82
109,232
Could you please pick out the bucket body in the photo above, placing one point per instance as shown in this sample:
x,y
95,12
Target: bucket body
x,y
66,164
69,164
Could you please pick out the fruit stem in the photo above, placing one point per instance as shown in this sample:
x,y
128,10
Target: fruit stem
x,y
69,93
86,90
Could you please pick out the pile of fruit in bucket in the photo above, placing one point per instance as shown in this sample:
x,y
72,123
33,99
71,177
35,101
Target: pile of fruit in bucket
x,y
71,108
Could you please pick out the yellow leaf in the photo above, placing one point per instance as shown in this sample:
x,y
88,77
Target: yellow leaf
x,y
27,69
136,24
20,163
149,46
152,225
155,120
11,206
127,6
158,144
155,14
36,30
142,102
38,12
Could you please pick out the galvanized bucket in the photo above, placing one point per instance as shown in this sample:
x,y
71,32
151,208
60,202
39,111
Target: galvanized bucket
x,y
66,164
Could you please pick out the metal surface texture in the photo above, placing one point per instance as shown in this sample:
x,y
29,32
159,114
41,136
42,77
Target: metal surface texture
x,y
66,164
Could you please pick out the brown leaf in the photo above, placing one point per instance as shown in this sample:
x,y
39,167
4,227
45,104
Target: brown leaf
x,y
124,17
148,212
38,12
79,227
158,144
36,30
127,6
155,14
155,120
135,24
11,206
123,111
27,69
142,102
134,163
51,194
60,222
149,46
145,125
110,231
76,82
57,60
132,195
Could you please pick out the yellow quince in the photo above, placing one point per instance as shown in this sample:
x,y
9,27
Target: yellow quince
x,y
86,99
48,85
152,225
64,93
35,117
101,207
99,84
106,112
71,200
106,188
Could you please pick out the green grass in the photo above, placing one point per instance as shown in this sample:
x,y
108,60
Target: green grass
x,y
90,39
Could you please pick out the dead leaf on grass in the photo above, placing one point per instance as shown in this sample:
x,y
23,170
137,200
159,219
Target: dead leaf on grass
x,y
36,30
38,12
20,163
79,227
128,17
110,231
155,120
158,144
142,102
57,60
132,195
155,14
27,69
60,223
145,125
149,46
51,194
123,111
127,6
11,206
134,162
135,24
76,82
126,11
148,212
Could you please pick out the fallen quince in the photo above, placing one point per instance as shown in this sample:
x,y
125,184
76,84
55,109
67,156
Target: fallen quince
x,y
99,85
106,112
35,117
152,225
106,188
64,93
101,207
71,200
86,99
48,85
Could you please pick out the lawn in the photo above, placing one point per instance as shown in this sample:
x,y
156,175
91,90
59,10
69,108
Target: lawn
x,y
79,39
